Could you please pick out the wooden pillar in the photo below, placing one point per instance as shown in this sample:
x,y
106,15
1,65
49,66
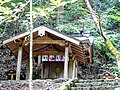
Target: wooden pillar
x,y
19,63
38,67
41,69
66,63
70,68
28,69
74,69
76,66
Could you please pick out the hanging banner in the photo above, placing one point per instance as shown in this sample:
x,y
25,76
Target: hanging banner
x,y
53,58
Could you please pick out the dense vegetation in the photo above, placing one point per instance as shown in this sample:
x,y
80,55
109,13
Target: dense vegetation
x,y
67,16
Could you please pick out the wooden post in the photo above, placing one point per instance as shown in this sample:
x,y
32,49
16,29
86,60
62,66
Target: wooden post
x,y
74,70
70,68
66,63
76,66
39,66
41,70
28,69
19,63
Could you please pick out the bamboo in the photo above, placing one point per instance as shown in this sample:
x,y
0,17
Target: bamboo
x,y
31,47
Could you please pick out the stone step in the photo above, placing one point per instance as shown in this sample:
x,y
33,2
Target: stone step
x,y
93,88
99,80
97,84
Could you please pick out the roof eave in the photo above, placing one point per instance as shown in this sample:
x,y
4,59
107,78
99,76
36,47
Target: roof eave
x,y
46,29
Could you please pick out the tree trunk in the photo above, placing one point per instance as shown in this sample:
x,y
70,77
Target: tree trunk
x,y
107,41
97,23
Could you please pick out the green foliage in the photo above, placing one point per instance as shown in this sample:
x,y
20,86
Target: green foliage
x,y
56,2
75,17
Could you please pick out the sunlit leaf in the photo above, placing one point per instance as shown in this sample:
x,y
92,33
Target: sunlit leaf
x,y
4,9
13,4
2,17
56,2
114,17
17,10
4,1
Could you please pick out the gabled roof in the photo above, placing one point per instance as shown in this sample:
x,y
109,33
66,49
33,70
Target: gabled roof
x,y
75,43
54,32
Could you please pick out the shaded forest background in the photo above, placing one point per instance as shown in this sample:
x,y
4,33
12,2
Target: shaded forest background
x,y
69,16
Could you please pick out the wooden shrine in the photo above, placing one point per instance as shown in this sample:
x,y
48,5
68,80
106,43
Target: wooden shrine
x,y
107,75
58,54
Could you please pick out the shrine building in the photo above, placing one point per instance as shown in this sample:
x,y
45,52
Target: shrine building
x,y
58,54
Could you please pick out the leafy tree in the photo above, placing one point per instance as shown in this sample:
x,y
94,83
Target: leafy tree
x,y
107,41
75,17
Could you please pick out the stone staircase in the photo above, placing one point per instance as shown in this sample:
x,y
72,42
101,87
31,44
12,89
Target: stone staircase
x,y
97,84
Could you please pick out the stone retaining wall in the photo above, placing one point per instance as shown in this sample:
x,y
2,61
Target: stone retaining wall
x,y
37,85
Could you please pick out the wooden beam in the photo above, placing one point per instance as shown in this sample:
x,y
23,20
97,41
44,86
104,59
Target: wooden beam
x,y
90,51
40,48
43,38
66,63
48,53
19,63
77,47
77,51
59,42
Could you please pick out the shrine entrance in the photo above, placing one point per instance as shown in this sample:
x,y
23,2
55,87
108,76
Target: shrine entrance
x,y
51,66
53,70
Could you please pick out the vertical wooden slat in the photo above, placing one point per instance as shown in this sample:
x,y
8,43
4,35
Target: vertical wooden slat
x,y
28,69
66,63
38,67
19,63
